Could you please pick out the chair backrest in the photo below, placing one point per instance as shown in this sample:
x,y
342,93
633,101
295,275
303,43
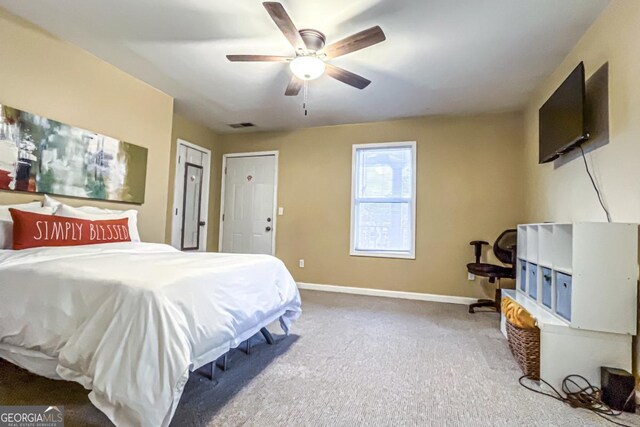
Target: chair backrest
x,y
504,245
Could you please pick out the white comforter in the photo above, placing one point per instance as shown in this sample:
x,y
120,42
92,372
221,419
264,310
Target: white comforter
x,y
129,320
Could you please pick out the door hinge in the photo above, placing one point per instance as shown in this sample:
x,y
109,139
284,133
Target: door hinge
x,y
223,217
176,211
225,170
179,159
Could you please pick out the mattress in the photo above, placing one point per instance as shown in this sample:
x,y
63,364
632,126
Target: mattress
x,y
130,320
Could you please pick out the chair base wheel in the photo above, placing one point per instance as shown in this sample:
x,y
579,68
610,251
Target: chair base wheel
x,y
495,304
483,303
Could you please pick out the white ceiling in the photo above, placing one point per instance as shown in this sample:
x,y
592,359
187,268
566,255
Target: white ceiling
x,y
440,56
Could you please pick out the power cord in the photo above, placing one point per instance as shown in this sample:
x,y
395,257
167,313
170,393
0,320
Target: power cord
x,y
586,397
595,187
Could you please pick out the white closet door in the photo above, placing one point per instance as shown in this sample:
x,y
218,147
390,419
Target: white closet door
x,y
191,199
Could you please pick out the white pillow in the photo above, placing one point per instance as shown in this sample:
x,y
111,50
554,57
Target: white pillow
x,y
97,214
6,222
97,211
4,209
50,202
55,203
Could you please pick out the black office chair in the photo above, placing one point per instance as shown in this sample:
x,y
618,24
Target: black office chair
x,y
505,250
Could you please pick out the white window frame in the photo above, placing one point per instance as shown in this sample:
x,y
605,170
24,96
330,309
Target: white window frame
x,y
384,254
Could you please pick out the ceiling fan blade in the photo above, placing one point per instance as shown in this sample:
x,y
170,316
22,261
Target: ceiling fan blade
x,y
294,86
355,42
284,22
347,77
257,58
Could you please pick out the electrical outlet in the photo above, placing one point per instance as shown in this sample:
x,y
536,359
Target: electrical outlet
x,y
301,263
471,276
280,210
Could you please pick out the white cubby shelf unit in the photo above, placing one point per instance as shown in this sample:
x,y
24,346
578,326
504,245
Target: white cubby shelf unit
x,y
579,281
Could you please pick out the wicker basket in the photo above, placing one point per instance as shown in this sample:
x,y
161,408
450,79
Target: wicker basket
x,y
525,347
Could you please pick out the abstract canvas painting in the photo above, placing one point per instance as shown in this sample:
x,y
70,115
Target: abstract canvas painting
x,y
40,155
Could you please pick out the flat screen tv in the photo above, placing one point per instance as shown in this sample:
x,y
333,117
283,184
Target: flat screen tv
x,y
562,118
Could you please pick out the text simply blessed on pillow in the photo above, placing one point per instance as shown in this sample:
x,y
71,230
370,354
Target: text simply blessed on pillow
x,y
32,230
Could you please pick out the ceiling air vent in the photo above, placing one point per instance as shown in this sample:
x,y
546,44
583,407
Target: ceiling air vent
x,y
241,125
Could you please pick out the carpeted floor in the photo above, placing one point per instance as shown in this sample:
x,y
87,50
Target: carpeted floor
x,y
352,360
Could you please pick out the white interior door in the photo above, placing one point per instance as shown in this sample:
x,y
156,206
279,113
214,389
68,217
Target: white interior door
x,y
191,196
248,222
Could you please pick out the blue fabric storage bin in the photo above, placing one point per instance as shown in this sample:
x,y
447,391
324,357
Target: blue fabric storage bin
x,y
523,276
533,280
546,287
563,295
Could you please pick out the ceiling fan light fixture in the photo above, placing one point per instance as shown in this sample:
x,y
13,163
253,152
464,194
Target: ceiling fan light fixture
x,y
307,67
311,52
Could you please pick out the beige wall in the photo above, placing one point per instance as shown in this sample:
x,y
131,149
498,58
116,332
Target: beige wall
x,y
52,78
565,193
195,133
469,187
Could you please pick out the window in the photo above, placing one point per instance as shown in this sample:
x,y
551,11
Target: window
x,y
383,196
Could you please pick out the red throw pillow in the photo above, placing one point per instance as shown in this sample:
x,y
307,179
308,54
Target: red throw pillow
x,y
32,230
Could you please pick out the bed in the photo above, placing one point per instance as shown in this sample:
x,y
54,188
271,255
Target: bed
x,y
129,321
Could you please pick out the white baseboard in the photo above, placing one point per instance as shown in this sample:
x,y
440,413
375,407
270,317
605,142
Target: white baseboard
x,y
387,294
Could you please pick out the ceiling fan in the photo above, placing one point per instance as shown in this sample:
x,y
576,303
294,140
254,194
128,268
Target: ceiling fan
x,y
309,62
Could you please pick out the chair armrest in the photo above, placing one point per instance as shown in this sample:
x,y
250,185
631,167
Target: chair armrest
x,y
478,248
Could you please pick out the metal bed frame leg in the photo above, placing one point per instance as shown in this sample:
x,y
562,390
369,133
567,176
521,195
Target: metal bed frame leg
x,y
210,375
212,367
222,364
267,336
222,361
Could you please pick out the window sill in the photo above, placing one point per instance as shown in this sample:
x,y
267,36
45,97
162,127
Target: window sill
x,y
373,254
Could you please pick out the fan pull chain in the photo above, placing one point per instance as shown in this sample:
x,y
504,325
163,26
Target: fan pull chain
x,y
305,96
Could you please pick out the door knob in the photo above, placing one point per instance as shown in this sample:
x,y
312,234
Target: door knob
x,y
268,228
268,219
